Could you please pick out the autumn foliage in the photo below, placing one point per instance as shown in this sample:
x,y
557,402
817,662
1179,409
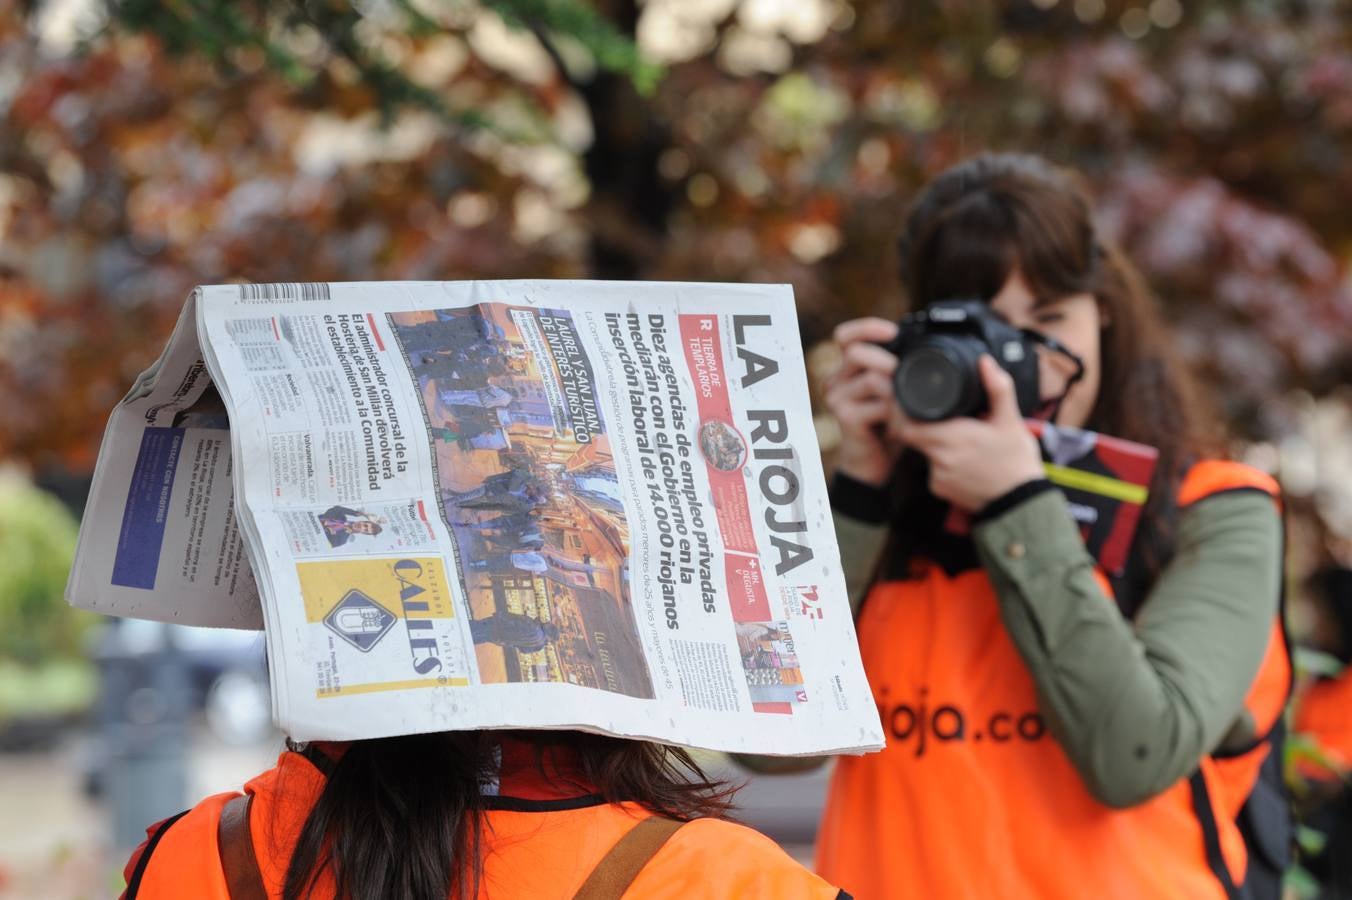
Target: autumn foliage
x,y
330,141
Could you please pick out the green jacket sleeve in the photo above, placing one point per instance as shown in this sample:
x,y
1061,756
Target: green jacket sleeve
x,y
1137,705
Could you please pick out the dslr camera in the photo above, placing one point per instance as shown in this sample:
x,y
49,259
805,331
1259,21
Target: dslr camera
x,y
937,349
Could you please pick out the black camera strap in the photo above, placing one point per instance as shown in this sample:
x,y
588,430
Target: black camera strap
x,y
1056,346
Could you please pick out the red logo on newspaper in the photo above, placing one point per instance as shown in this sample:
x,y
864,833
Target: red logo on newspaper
x,y
808,601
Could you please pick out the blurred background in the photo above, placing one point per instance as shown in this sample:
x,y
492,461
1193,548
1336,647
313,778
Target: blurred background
x,y
146,147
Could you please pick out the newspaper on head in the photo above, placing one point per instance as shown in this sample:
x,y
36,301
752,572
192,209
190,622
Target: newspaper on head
x,y
513,504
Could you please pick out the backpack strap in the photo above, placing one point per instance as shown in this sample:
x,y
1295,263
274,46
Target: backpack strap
x,y
134,883
1268,825
619,867
234,840
1211,838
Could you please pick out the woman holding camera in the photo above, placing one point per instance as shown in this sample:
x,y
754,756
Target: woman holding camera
x,y
1053,733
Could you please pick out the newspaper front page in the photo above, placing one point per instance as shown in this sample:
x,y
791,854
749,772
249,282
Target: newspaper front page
x,y
536,504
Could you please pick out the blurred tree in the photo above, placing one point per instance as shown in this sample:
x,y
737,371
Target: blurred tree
x,y
174,144
37,543
44,676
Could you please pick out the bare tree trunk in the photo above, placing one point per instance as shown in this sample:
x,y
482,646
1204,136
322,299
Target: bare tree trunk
x,y
629,202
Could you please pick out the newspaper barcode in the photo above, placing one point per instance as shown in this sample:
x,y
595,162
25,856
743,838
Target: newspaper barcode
x,y
293,290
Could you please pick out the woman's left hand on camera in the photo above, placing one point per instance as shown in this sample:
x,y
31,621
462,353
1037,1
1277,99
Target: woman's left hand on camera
x,y
975,461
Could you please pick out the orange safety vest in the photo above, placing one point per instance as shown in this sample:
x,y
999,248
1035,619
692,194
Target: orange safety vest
x,y
972,796
1324,711
534,848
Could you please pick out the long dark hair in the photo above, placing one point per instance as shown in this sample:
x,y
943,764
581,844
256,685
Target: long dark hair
x,y
967,231
402,817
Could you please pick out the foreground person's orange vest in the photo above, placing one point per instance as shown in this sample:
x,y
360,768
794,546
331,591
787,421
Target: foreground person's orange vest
x,y
974,798
537,848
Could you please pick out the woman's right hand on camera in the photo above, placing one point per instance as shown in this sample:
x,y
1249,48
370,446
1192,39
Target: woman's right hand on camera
x,y
860,396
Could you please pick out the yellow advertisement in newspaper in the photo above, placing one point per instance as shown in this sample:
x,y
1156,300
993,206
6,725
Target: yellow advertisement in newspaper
x,y
362,602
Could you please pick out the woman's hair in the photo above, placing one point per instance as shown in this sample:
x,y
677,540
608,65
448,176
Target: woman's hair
x,y
977,223
401,817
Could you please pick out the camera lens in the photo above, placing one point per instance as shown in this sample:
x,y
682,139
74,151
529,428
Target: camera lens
x,y
931,384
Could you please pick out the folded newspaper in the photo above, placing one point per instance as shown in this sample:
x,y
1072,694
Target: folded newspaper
x,y
525,504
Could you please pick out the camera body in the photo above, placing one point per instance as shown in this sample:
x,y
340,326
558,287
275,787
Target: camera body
x,y
937,349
